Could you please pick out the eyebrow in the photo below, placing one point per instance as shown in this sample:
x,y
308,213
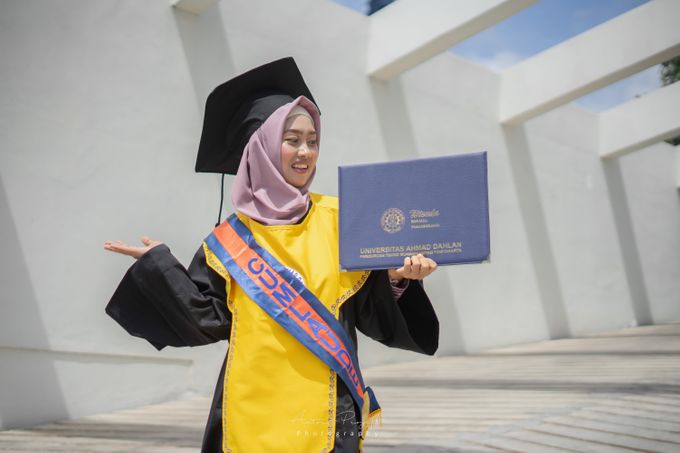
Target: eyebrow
x,y
298,131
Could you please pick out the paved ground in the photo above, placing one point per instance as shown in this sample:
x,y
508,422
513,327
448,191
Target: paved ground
x,y
618,391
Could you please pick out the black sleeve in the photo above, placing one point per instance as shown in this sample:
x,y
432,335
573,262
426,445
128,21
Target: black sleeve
x,y
408,323
161,301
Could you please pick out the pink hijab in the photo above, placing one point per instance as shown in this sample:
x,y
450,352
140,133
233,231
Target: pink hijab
x,y
259,190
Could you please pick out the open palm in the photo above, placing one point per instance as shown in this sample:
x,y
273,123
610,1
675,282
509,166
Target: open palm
x,y
130,250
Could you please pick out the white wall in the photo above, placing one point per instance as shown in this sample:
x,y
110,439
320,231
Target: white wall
x,y
99,123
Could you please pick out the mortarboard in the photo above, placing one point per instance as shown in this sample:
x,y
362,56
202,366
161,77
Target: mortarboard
x,y
238,107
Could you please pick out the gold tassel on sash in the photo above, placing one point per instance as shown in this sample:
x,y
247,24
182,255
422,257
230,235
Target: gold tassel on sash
x,y
368,419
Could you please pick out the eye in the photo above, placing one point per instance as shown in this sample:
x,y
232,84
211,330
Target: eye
x,y
291,140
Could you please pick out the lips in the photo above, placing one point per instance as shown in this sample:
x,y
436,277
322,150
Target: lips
x,y
300,167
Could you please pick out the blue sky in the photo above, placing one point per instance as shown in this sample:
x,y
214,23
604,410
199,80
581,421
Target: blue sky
x,y
543,25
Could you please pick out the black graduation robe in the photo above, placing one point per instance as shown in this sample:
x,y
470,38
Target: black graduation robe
x,y
161,301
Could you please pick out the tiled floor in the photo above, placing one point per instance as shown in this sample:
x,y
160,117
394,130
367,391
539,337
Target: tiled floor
x,y
617,391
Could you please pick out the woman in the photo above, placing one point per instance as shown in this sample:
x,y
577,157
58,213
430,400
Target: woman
x,y
290,381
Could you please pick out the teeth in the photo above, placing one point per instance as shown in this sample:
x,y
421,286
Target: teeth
x,y
301,166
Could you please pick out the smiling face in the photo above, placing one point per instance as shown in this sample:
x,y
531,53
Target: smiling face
x,y
299,150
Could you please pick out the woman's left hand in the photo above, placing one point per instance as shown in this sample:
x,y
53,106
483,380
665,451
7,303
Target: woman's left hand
x,y
416,267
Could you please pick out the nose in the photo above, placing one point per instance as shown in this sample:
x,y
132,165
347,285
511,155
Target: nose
x,y
304,149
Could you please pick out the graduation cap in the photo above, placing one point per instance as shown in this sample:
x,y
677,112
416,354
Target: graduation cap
x,y
238,107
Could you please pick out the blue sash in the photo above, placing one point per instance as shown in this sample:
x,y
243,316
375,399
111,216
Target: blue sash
x,y
275,289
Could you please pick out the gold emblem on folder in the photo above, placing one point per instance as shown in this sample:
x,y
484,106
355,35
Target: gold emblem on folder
x,y
392,220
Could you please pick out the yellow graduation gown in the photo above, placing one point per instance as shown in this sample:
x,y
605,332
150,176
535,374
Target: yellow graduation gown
x,y
278,396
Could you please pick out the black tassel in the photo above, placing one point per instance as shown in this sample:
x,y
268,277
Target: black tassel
x,y
219,215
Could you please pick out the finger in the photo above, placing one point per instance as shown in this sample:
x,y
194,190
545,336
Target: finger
x,y
150,243
124,249
407,266
416,263
427,267
111,245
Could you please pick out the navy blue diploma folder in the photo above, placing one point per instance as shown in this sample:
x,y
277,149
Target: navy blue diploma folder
x,y
435,206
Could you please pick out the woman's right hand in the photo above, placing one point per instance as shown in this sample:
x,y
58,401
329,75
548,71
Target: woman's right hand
x,y
129,250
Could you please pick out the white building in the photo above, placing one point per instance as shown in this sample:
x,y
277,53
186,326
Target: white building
x,y
100,119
